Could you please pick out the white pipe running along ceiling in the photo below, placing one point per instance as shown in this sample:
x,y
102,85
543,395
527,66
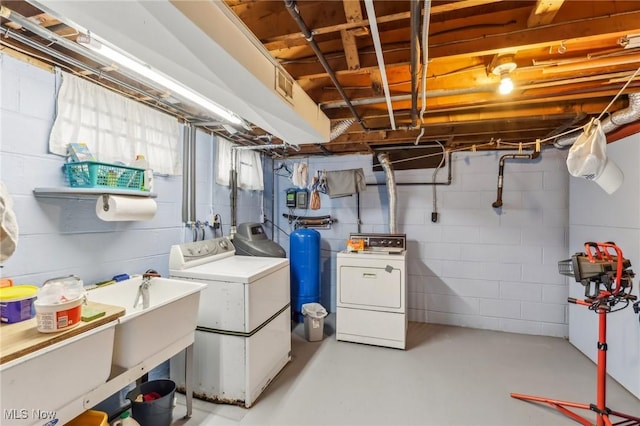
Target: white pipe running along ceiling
x,y
202,45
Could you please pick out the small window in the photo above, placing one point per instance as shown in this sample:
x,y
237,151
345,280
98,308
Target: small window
x,y
114,127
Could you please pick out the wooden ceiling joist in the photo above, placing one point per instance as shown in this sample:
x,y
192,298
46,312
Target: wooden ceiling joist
x,y
543,12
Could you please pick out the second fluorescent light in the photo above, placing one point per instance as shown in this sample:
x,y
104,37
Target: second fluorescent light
x,y
147,72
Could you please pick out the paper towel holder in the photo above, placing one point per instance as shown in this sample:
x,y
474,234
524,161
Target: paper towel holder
x,y
105,202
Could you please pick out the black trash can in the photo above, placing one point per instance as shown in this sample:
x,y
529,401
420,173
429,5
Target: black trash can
x,y
157,412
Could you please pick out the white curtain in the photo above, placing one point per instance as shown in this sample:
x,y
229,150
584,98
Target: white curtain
x,y
249,167
115,128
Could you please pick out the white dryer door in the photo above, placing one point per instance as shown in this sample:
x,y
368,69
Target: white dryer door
x,y
371,287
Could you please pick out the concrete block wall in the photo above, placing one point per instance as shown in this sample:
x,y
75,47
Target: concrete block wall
x,y
62,236
477,266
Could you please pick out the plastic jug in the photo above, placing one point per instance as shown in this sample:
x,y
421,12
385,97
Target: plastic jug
x,y
147,180
125,420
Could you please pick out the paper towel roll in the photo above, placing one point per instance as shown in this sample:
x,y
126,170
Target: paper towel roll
x,y
122,207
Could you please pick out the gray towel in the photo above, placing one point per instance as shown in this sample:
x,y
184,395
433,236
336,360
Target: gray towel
x,y
341,183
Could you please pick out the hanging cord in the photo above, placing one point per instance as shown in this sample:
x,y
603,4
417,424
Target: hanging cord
x,y
280,229
470,148
581,128
540,141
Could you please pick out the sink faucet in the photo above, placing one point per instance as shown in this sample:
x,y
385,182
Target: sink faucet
x,y
143,289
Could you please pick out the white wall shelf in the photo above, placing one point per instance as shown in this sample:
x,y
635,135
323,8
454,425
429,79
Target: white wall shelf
x,y
64,192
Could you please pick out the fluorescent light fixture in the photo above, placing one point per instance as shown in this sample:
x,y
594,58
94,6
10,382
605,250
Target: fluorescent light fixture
x,y
147,72
506,84
630,41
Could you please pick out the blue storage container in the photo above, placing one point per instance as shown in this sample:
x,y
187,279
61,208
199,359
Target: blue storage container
x,y
304,254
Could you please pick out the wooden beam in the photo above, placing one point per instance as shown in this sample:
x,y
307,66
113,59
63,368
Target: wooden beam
x,y
376,82
352,10
350,50
537,108
578,66
544,12
353,13
484,130
25,57
537,38
286,40
514,37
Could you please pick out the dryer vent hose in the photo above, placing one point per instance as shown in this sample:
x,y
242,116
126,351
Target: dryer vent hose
x,y
383,158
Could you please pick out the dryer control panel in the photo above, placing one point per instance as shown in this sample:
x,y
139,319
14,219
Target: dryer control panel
x,y
382,242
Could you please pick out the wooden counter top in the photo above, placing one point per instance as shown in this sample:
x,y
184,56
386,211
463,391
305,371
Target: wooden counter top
x,y
23,337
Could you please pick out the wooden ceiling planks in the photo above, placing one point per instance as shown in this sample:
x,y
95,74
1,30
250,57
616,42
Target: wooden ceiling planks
x,y
569,64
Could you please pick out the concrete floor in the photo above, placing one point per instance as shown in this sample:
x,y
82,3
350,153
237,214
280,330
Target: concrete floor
x,y
447,376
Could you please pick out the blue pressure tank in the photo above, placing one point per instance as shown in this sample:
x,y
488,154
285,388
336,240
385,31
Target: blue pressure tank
x,y
304,254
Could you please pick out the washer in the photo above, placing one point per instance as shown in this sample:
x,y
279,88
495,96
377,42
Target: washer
x,y
243,337
371,286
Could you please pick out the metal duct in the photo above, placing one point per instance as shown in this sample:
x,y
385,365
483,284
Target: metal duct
x,y
341,127
533,155
383,158
612,122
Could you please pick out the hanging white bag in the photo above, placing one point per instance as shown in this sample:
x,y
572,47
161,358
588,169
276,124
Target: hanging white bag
x,y
588,159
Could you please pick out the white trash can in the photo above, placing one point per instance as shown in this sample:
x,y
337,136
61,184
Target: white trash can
x,y
314,314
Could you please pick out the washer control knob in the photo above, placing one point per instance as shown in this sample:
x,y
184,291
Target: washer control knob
x,y
223,244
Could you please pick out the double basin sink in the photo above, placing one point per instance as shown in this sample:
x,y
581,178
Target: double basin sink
x,y
49,379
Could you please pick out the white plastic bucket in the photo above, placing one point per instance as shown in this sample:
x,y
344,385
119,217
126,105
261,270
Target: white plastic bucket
x,y
59,316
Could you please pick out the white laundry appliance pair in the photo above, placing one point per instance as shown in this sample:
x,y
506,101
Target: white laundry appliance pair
x,y
243,336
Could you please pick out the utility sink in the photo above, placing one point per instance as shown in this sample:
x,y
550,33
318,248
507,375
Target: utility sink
x,y
36,386
142,332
